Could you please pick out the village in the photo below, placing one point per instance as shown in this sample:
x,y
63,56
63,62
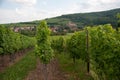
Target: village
x,y
56,30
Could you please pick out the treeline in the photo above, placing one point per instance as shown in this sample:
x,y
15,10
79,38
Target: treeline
x,y
98,46
11,42
93,18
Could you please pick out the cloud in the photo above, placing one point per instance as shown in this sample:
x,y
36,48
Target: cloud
x,y
4,16
25,2
17,15
44,3
108,1
27,13
97,5
29,10
1,2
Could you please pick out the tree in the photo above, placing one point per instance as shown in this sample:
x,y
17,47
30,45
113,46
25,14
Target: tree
x,y
2,33
58,44
72,48
43,47
118,22
76,46
105,49
118,15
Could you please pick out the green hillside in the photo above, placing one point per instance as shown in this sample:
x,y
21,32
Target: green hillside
x,y
80,19
83,19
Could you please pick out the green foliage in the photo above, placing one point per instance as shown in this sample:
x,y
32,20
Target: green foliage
x,y
76,45
83,19
28,32
1,50
105,52
72,47
118,15
43,47
9,41
2,32
58,44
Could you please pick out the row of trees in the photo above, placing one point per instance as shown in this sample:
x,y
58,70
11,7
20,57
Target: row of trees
x,y
105,52
11,42
98,46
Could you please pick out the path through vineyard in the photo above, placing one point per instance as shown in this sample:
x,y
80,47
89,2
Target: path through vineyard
x,y
53,69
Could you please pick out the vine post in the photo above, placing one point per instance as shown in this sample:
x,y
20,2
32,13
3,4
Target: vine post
x,y
87,51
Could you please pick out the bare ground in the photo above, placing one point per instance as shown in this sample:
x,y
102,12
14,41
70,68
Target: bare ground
x,y
6,62
53,72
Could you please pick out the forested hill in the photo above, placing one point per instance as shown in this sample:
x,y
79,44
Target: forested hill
x,y
93,18
78,19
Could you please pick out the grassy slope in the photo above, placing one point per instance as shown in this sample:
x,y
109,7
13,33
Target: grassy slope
x,y
20,69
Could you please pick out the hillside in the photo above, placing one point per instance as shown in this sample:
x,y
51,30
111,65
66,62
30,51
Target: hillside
x,y
69,23
83,19
80,19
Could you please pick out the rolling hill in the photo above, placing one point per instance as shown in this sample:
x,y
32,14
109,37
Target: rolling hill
x,y
78,19
83,19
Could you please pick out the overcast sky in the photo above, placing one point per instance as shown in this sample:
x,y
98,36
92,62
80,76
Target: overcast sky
x,y
29,10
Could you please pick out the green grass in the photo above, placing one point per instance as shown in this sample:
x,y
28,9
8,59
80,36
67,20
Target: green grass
x,y
75,71
68,35
19,70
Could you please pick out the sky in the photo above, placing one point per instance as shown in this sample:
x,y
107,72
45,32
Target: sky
x,y
12,11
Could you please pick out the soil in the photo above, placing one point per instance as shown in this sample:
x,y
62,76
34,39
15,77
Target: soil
x,y
6,61
53,72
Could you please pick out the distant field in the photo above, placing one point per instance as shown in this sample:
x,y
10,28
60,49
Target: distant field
x,y
68,35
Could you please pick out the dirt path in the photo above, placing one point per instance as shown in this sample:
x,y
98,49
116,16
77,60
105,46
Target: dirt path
x,y
5,60
53,72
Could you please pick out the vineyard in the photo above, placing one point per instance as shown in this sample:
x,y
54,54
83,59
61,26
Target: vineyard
x,y
98,47
90,54
13,45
